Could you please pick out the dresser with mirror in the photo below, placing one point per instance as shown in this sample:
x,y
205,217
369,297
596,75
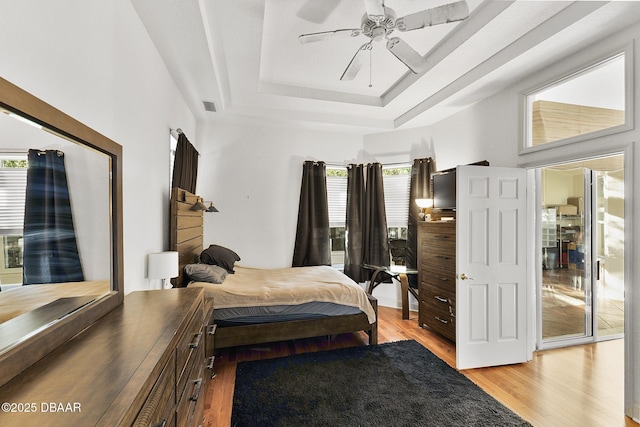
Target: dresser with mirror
x,y
80,354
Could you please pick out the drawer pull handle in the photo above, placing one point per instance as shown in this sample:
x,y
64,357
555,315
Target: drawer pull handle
x,y
212,359
441,257
442,320
196,342
212,329
441,299
162,423
441,236
196,391
442,279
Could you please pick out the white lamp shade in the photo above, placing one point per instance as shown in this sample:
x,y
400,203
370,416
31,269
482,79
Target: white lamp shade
x,y
424,203
163,265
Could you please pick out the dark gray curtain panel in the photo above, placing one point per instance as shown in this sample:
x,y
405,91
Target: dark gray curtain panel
x,y
313,241
375,233
50,248
419,188
185,166
353,255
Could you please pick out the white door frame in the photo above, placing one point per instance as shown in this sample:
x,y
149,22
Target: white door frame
x,y
556,155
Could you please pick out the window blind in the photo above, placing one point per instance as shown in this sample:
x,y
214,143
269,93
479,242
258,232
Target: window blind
x,y
13,183
337,200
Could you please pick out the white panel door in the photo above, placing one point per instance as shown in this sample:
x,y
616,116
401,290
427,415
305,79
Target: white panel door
x,y
491,294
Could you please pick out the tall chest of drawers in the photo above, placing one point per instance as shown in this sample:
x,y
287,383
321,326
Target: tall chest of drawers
x,y
436,276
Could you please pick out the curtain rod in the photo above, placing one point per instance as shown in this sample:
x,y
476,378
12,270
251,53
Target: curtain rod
x,y
384,165
176,131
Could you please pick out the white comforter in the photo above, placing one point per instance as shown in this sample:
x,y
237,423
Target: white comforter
x,y
250,287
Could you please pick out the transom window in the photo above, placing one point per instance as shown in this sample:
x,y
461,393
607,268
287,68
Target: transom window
x,y
582,105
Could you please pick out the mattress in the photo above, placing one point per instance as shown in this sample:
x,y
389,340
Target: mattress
x,y
265,295
281,313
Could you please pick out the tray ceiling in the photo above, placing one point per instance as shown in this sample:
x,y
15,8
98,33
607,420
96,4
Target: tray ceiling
x,y
244,56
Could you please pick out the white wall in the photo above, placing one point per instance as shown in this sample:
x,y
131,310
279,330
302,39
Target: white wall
x,y
94,61
253,173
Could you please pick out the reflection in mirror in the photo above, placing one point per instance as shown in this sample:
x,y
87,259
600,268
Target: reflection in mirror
x,y
41,306
87,184
589,101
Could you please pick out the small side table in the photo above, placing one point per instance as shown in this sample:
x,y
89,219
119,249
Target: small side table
x,y
396,272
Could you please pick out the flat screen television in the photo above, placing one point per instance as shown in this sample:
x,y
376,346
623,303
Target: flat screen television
x,y
444,190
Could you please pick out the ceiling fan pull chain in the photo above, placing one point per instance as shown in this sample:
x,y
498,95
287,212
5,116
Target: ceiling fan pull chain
x,y
370,66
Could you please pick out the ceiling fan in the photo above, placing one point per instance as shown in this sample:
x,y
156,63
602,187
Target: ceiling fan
x,y
380,21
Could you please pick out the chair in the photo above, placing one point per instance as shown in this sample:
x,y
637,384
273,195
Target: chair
x,y
398,248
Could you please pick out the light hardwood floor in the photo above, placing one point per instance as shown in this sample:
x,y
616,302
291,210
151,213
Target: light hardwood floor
x,y
575,386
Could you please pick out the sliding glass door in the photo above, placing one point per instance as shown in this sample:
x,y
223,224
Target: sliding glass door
x,y
583,247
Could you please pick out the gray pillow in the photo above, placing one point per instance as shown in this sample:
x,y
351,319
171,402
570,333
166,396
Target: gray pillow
x,y
205,273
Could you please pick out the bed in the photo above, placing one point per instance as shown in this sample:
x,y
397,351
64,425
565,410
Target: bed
x,y
305,315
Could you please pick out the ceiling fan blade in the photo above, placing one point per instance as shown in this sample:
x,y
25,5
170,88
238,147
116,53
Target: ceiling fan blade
x,y
317,11
325,35
406,54
375,9
438,15
356,62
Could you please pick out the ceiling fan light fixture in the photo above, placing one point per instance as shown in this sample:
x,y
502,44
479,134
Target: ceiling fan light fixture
x,y
380,21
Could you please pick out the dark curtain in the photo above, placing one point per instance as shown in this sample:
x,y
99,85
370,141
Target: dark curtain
x,y
50,247
375,233
312,245
419,188
353,255
185,166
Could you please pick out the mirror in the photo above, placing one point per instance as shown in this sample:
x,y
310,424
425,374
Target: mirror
x,y
36,318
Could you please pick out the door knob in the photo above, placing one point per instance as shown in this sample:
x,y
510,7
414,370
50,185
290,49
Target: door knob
x,y
465,277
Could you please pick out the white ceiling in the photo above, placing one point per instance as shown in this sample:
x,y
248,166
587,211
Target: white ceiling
x,y
244,56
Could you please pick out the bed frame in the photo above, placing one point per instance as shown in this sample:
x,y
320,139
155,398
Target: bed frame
x,y
186,238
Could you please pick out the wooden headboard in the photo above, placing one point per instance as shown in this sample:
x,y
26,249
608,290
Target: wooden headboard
x,y
186,231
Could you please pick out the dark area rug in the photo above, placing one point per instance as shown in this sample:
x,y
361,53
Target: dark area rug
x,y
392,384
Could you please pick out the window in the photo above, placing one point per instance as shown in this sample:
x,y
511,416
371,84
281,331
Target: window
x,y
396,196
589,102
337,201
396,200
13,182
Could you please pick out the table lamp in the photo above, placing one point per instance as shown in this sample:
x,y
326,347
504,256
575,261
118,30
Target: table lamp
x,y
163,265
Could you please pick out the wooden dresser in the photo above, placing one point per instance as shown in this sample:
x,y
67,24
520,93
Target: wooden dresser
x,y
145,363
437,276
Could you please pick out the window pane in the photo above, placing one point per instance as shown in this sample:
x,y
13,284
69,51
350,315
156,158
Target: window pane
x,y
12,251
337,199
13,182
396,199
589,101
